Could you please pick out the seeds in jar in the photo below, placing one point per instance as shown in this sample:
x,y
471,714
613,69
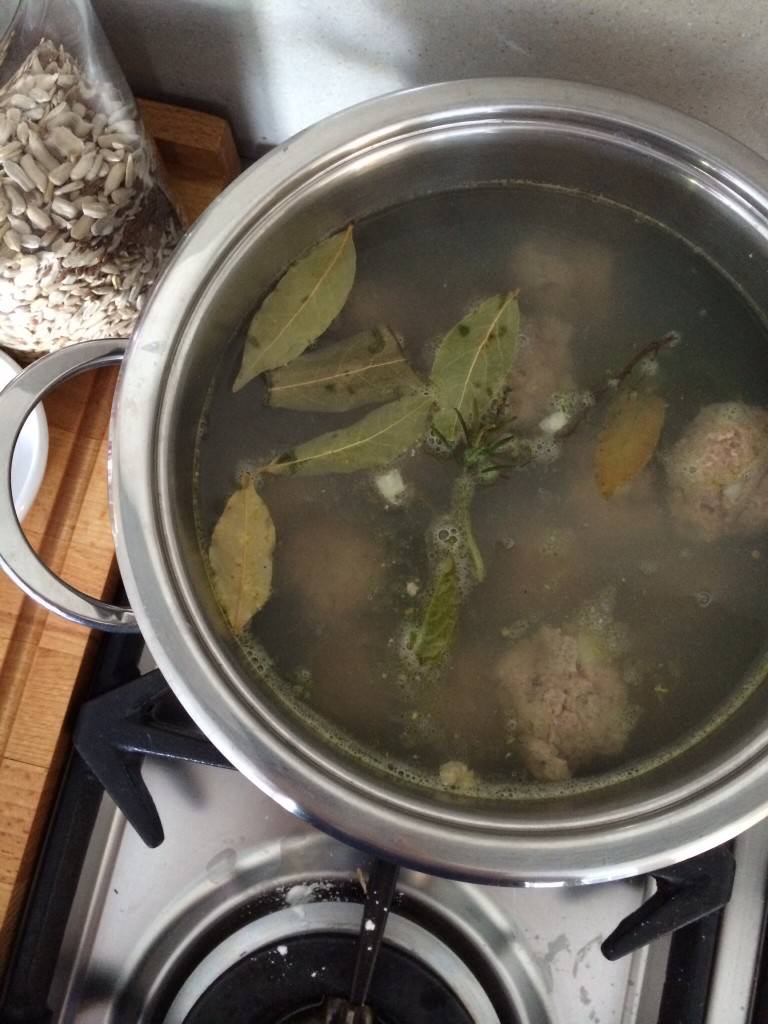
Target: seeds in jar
x,y
84,225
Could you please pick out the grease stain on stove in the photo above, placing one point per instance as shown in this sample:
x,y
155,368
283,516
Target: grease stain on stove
x,y
221,868
583,951
545,960
559,944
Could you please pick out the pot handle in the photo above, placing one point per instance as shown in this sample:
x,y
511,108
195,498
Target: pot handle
x,y
17,558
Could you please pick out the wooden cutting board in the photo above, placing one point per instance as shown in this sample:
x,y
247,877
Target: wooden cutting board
x,y
44,660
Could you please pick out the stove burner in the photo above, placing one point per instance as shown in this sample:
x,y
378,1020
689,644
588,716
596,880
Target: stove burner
x,y
288,983
287,966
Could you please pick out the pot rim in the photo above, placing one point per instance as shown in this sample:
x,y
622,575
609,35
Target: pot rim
x,y
414,831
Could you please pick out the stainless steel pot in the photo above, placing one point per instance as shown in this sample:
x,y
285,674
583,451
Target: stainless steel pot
x,y
693,179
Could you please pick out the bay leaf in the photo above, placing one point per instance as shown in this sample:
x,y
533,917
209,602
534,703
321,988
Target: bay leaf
x,y
434,636
240,555
472,363
305,301
375,440
366,368
628,440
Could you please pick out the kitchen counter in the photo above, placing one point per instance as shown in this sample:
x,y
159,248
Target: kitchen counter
x,y
273,68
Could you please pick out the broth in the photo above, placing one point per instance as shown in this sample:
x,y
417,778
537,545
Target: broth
x,y
679,615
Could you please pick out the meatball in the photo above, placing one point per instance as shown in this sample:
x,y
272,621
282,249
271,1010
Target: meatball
x,y
334,568
718,471
543,366
569,704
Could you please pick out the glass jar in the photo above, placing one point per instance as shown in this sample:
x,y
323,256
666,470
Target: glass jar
x,y
86,223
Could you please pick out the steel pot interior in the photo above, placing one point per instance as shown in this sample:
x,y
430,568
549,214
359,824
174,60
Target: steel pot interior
x,y
443,138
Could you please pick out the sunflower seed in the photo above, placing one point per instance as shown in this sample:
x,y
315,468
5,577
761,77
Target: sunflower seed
x,y
11,150
34,171
104,226
64,208
117,140
81,228
114,178
18,224
62,247
93,174
82,166
16,199
16,174
60,108
130,170
12,240
40,152
80,126
120,196
65,142
19,99
61,172
69,188
93,207
39,95
38,218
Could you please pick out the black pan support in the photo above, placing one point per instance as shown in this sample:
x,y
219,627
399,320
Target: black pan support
x,y
685,893
117,729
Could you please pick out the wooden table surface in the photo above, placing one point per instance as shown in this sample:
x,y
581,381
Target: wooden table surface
x,y
44,660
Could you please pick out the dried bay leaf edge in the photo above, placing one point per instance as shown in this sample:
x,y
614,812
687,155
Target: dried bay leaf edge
x,y
472,363
303,304
240,555
368,367
434,637
628,440
375,440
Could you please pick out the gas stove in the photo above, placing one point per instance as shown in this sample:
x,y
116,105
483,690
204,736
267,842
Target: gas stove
x,y
198,900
